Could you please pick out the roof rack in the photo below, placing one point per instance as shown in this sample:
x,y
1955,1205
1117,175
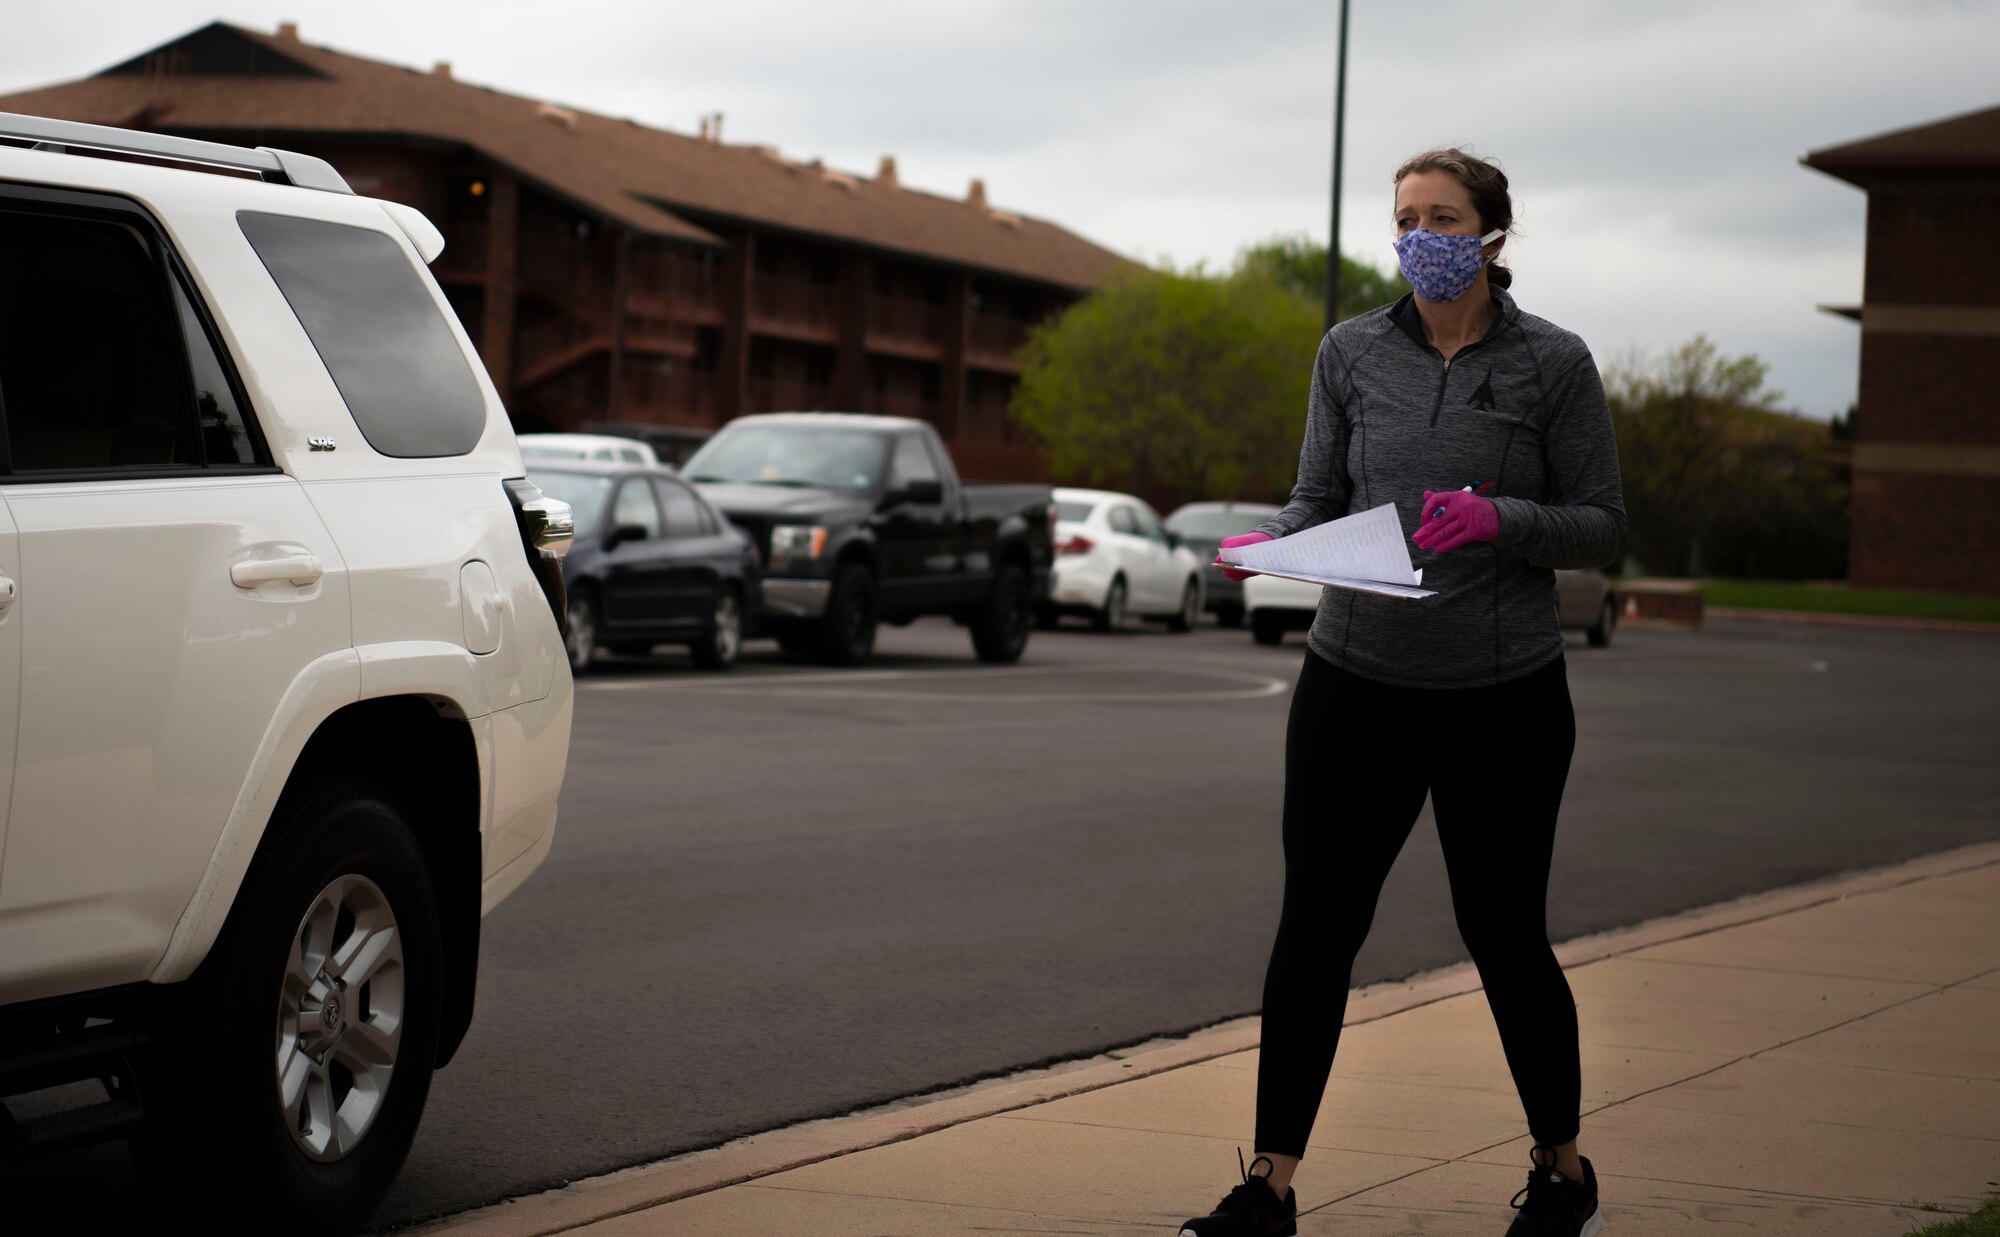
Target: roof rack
x,y
278,167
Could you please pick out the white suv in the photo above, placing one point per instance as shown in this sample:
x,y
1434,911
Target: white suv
x,y
283,702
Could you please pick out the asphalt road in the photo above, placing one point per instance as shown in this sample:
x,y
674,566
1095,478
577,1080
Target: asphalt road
x,y
788,892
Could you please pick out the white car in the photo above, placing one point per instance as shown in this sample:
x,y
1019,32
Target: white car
x,y
284,708
607,448
1115,559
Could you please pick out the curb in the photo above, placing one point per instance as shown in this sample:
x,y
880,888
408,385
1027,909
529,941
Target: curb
x,y
1878,621
759,1155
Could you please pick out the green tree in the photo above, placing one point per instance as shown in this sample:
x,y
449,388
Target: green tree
x,y
1298,262
1177,380
1717,477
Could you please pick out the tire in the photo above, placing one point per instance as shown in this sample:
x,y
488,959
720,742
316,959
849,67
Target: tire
x,y
336,863
1189,614
1229,616
1267,627
581,641
719,647
1112,616
847,631
1607,622
1000,632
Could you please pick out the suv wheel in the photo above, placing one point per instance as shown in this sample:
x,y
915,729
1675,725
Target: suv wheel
x,y
301,1053
847,632
581,642
1000,633
717,649
1112,616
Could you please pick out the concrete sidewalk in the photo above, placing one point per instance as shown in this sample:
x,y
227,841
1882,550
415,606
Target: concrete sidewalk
x,y
1823,1060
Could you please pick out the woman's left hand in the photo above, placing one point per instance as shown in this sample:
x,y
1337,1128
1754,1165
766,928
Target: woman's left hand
x,y
1455,517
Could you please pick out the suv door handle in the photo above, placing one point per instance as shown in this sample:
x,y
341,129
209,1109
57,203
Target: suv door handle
x,y
300,569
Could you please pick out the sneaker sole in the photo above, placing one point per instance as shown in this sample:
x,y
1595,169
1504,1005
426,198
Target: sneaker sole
x,y
1593,1226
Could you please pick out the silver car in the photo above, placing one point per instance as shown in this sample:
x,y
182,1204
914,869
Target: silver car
x,y
1201,528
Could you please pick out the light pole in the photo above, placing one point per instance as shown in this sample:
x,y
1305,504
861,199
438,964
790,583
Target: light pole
x,y
1339,131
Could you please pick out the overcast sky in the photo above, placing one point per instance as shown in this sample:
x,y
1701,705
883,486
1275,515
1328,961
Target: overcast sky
x,y
1653,148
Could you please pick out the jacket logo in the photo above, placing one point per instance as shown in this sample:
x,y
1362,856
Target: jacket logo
x,y
1483,397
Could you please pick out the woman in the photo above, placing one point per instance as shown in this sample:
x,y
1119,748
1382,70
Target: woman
x,y
1487,428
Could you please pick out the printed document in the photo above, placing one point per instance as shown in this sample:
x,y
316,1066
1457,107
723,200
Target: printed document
x,y
1363,552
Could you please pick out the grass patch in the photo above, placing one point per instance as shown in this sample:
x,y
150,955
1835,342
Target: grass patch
x,y
1840,599
1984,1222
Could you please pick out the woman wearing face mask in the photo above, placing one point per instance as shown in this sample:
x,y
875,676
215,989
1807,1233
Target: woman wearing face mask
x,y
1487,427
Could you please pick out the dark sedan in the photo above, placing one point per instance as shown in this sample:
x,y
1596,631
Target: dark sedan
x,y
652,563
1201,527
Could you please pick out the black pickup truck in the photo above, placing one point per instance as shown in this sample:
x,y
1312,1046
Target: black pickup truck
x,y
862,520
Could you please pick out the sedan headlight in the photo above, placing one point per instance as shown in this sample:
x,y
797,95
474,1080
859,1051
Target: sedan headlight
x,y
796,543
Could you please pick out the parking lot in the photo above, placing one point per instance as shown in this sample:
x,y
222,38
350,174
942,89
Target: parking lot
x,y
785,891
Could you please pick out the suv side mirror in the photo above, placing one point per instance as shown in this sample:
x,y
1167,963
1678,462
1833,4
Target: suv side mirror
x,y
1174,540
927,491
623,533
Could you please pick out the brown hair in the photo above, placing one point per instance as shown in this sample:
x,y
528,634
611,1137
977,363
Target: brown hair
x,y
1484,181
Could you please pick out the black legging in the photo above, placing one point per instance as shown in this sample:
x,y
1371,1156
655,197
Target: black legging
x,y
1359,757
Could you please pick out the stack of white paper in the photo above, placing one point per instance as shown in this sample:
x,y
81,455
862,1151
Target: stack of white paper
x,y
1363,552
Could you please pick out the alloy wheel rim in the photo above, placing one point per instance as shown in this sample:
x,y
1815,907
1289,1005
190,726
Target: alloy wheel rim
x,y
340,1018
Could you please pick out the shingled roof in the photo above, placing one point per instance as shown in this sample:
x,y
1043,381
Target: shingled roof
x,y
1968,143
241,81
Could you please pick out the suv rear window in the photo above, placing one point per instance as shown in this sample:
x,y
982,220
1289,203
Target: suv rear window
x,y
378,330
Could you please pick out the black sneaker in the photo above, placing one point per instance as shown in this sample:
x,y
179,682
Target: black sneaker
x,y
1252,1209
1551,1205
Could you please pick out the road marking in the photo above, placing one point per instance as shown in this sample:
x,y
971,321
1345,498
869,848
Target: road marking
x,y
800,685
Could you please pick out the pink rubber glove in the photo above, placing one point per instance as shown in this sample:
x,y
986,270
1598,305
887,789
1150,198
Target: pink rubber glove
x,y
1466,517
1230,573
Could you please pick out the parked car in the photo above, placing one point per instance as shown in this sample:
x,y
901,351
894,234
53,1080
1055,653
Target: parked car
x,y
1114,559
863,520
604,448
1201,528
283,705
652,563
1584,601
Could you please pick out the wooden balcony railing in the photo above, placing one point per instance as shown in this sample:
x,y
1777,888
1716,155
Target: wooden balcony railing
x,y
799,304
997,334
906,318
681,396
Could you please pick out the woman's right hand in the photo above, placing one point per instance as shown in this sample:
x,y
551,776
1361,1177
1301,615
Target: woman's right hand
x,y
1231,573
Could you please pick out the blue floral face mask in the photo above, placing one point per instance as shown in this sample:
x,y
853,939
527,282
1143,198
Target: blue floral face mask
x,y
1442,267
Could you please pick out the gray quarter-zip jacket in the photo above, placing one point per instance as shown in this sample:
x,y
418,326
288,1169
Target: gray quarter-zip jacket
x,y
1388,418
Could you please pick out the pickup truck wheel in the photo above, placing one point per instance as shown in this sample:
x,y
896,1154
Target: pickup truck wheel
x,y
581,642
1189,614
1267,627
1000,632
300,1054
1112,616
1607,621
847,632
717,649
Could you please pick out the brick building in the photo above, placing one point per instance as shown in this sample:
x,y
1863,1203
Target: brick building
x,y
615,274
1926,498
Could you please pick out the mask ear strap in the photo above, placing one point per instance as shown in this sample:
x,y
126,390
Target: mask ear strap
x,y
1492,236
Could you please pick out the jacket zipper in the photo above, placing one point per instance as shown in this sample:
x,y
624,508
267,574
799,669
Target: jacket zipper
x,y
1442,379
